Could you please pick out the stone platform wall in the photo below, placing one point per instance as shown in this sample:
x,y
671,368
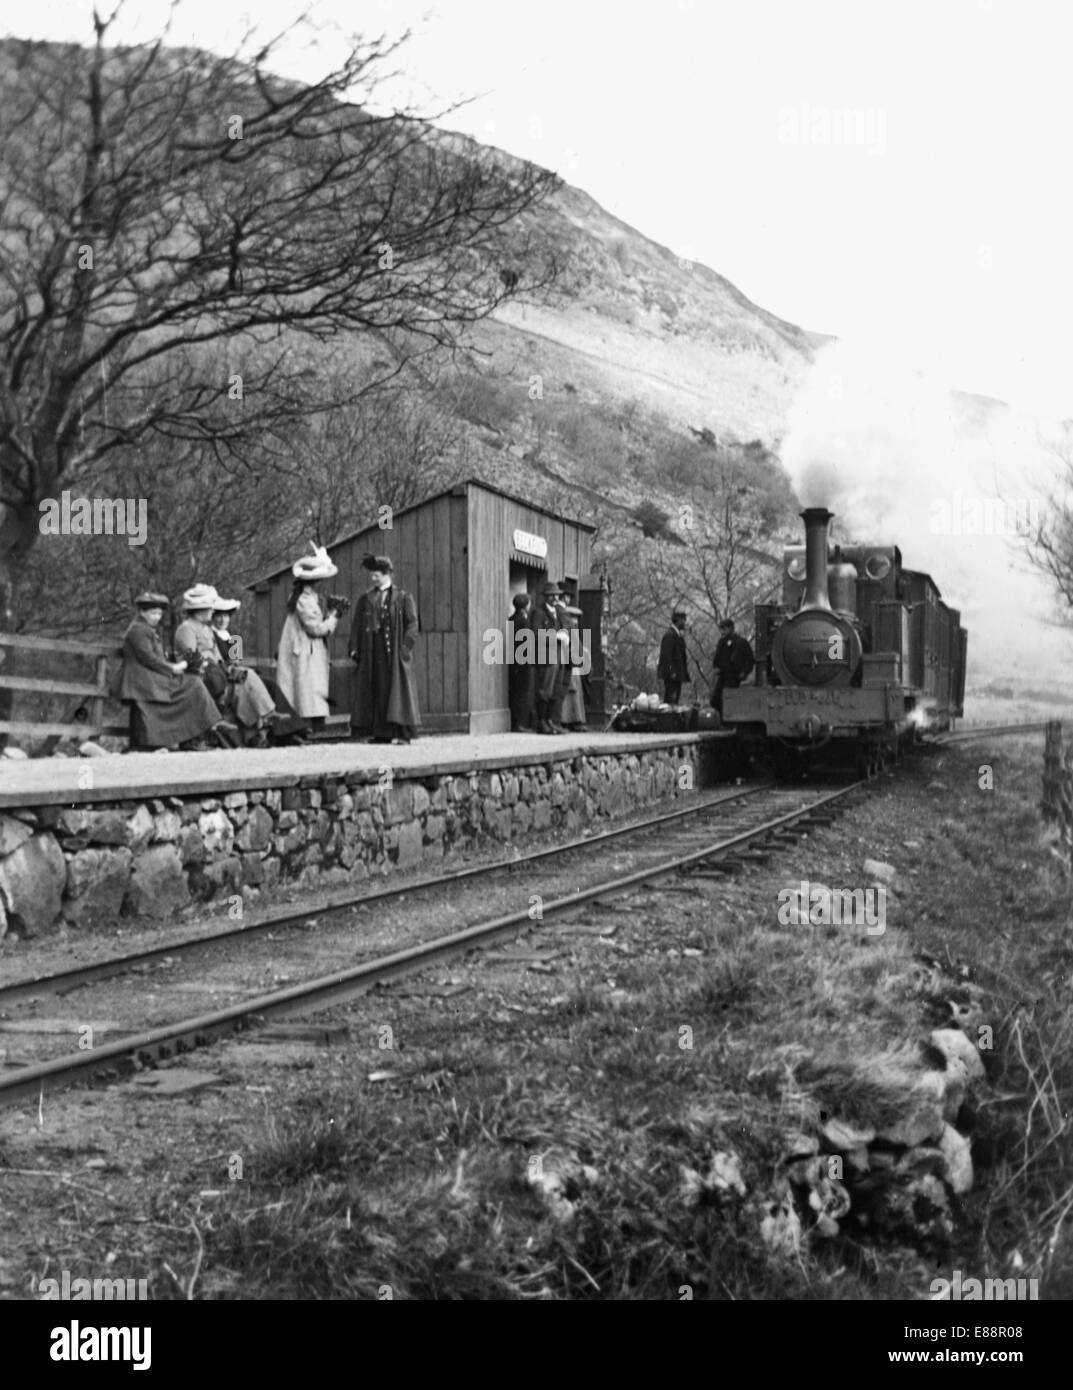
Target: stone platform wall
x,y
91,863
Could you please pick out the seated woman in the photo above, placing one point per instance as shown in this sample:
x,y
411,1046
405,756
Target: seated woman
x,y
235,689
284,726
173,708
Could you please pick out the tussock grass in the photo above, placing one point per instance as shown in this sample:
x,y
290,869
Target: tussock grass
x,y
572,1155
1014,940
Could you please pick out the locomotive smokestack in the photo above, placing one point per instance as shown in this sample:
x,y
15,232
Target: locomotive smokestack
x,y
817,520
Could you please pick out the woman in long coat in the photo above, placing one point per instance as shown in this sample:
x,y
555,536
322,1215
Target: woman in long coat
x,y
573,715
382,638
174,708
303,666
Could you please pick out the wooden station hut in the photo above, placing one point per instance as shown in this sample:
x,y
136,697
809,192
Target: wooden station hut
x,y
463,555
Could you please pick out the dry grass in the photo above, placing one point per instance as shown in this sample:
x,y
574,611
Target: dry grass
x,y
1015,939
573,1156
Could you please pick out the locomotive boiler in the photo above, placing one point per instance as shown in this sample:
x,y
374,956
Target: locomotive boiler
x,y
860,654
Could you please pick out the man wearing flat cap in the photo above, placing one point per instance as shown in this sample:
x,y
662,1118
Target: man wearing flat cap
x,y
673,668
733,661
382,639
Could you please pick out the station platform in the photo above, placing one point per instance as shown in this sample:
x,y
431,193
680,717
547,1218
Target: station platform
x,y
86,840
136,776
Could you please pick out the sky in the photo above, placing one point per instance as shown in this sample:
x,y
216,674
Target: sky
x,y
896,174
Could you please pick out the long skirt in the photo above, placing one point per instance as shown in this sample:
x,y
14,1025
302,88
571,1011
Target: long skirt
x,y
284,723
522,691
574,700
190,713
250,700
381,674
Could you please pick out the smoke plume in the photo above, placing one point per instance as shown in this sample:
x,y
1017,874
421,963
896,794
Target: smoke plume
x,y
953,480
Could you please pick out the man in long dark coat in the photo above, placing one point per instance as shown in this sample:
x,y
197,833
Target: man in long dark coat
x,y
673,669
522,671
382,638
553,668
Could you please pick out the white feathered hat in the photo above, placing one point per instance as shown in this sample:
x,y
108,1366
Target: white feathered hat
x,y
315,566
200,596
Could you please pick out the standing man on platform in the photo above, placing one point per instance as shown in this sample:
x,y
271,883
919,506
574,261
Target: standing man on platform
x,y
382,638
733,661
673,669
552,662
520,674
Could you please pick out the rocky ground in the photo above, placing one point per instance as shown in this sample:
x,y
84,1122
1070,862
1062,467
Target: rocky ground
x,y
677,1095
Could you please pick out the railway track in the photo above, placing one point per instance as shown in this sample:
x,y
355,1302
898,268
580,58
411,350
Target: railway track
x,y
989,731
717,835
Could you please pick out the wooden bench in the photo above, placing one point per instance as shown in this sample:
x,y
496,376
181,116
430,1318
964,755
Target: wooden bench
x,y
88,717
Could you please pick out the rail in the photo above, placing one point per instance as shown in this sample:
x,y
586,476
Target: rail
x,y
347,980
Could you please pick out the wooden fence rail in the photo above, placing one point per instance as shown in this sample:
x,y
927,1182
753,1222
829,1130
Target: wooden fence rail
x,y
89,712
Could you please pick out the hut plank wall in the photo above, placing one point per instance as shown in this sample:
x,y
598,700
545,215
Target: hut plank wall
x,y
453,553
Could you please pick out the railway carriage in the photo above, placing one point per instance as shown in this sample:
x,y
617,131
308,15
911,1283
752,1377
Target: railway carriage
x,y
860,655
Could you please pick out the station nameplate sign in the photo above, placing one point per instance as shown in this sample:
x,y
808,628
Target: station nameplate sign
x,y
529,544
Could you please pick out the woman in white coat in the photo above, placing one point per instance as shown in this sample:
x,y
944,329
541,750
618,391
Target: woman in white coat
x,y
302,663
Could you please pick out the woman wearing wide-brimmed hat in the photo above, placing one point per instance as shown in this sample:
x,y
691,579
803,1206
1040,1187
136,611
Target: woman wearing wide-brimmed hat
x,y
237,691
173,709
303,667
382,638
282,724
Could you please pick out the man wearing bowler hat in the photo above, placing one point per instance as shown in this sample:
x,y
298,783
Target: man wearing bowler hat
x,y
733,661
382,638
553,670
673,669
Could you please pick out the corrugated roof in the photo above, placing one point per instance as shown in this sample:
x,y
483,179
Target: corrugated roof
x,y
414,506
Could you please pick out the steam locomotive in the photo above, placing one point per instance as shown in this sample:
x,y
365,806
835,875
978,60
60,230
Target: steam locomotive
x,y
861,654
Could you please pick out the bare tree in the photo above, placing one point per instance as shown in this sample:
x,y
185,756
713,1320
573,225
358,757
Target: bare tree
x,y
1049,534
716,555
388,450
167,216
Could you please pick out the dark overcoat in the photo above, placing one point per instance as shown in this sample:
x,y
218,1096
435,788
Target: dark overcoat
x,y
400,623
733,660
175,707
521,675
673,660
553,663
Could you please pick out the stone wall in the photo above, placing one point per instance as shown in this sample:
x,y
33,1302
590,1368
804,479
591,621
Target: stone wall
x,y
89,864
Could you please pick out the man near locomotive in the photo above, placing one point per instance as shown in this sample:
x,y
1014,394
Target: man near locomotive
x,y
382,639
733,661
673,669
